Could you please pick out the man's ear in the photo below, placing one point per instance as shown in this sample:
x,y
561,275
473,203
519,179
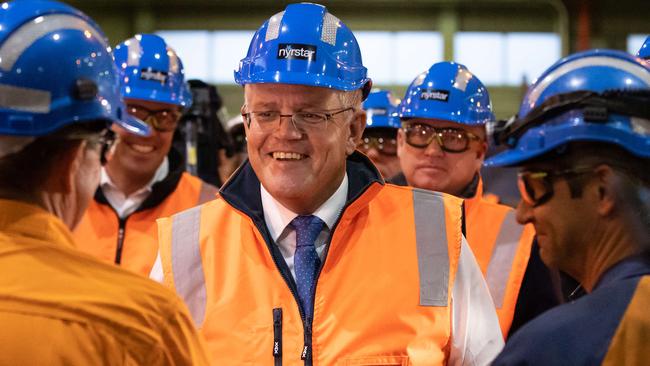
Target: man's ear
x,y
481,150
608,187
62,180
357,126
401,139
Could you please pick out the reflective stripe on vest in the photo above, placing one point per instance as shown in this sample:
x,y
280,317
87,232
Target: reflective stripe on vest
x,y
431,242
207,193
503,254
187,267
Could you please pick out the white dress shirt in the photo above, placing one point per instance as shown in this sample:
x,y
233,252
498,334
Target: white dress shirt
x,y
476,334
125,205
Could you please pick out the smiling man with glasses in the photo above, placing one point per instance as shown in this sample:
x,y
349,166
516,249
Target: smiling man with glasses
x,y
308,257
582,143
145,178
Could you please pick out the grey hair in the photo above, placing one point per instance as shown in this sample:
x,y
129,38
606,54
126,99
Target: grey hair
x,y
13,144
351,98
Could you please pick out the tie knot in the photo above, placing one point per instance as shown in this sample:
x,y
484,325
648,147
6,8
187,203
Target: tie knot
x,y
307,229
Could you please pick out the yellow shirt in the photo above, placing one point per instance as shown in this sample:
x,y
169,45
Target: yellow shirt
x,y
61,307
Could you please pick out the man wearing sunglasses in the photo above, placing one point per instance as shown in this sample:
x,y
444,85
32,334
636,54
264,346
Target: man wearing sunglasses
x,y
441,147
379,141
58,97
145,178
307,257
582,143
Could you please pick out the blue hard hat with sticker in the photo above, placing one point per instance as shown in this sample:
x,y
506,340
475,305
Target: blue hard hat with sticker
x,y
447,91
305,45
151,70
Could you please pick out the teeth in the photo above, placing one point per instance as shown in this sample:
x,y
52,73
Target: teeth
x,y
142,148
281,155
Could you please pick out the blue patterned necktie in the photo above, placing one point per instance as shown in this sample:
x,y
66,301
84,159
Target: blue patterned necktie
x,y
305,258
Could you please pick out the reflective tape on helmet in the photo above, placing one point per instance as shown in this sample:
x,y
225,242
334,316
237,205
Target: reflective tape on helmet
x,y
463,76
625,65
25,99
30,32
330,26
173,60
134,51
273,30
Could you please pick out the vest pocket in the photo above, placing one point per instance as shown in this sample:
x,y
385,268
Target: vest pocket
x,y
376,361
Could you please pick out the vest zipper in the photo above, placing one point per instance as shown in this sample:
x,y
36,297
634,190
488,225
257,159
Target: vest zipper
x,y
277,336
288,279
120,240
306,349
306,354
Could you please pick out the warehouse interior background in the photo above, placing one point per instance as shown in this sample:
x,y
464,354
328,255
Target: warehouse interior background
x,y
506,43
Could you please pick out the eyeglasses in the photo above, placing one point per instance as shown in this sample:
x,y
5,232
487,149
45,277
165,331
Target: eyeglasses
x,y
384,145
536,187
106,140
452,140
162,120
267,121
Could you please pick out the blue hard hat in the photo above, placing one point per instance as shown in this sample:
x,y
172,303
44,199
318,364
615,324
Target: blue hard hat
x,y
380,110
56,68
150,70
597,95
644,51
450,92
306,45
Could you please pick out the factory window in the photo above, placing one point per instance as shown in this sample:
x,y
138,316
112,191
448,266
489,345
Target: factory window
x,y
506,58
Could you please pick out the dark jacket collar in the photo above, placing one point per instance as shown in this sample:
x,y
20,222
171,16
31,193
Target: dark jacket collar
x,y
159,190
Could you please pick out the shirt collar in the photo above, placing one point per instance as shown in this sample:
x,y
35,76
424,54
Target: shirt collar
x,y
28,220
159,175
634,266
277,217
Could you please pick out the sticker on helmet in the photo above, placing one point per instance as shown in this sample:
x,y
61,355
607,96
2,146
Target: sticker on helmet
x,y
441,95
298,51
155,75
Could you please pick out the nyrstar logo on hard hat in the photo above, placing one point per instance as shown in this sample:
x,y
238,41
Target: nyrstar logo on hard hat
x,y
298,51
155,75
441,95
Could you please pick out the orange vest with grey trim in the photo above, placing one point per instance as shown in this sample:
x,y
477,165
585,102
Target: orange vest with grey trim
x,y
502,249
131,242
382,296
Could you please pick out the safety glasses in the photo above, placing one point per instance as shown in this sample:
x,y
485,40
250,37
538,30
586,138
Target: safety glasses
x,y
536,187
383,144
452,140
162,120
104,139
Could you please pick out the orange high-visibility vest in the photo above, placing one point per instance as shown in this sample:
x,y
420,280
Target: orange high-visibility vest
x,y
502,249
382,296
131,242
